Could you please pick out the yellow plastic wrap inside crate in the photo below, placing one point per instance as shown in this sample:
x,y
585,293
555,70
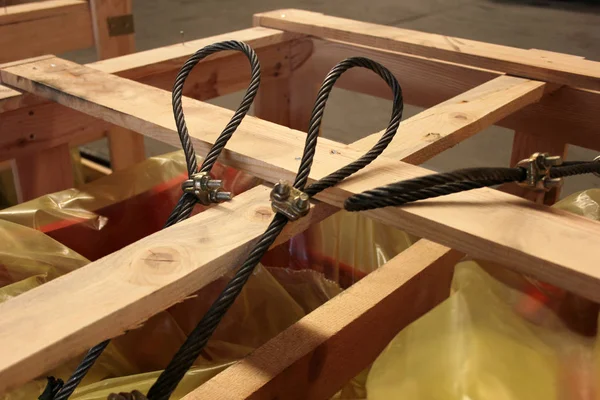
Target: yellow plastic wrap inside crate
x,y
499,336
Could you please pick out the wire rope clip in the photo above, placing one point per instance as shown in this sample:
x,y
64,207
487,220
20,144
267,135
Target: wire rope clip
x,y
289,201
538,171
208,191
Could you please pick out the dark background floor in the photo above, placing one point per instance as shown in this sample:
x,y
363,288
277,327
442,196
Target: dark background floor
x,y
561,26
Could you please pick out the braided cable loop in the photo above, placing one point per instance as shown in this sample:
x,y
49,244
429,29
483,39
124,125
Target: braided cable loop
x,y
187,201
237,118
317,118
197,340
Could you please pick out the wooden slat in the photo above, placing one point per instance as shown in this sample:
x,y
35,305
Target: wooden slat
x,y
552,245
45,172
157,61
39,10
45,27
315,357
449,123
26,129
520,62
123,289
567,112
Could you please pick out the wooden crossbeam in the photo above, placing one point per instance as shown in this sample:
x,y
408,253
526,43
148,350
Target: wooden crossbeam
x,y
552,245
316,356
457,119
534,65
45,124
30,29
123,289
567,113
158,62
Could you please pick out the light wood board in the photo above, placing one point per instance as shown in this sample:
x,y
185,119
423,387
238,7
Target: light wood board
x,y
449,123
520,62
32,29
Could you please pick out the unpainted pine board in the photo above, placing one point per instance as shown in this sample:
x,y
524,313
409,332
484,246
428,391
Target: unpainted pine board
x,y
57,32
47,171
120,291
39,10
514,61
552,245
151,63
26,129
440,127
567,113
316,356
172,57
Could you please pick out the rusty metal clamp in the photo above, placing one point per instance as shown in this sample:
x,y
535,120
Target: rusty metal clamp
x,y
289,201
207,190
538,171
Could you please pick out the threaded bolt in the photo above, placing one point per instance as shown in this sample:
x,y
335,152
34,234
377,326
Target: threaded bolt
x,y
281,190
302,202
214,184
218,197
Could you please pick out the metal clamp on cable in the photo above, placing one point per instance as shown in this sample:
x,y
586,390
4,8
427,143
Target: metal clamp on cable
x,y
538,171
207,190
289,201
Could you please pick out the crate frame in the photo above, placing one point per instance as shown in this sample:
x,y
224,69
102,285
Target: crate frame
x,y
33,28
545,95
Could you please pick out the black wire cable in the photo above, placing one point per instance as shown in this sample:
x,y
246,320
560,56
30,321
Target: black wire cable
x,y
191,349
186,203
436,185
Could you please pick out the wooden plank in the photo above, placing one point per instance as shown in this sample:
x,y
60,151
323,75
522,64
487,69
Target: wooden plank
x,y
550,244
567,112
449,123
45,172
315,357
147,276
524,145
157,61
39,10
44,27
25,130
520,62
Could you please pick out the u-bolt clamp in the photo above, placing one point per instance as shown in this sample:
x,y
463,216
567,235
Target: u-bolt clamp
x,y
538,171
207,190
289,201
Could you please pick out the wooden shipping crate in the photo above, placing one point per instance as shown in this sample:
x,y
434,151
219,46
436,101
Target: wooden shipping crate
x,y
551,100
30,28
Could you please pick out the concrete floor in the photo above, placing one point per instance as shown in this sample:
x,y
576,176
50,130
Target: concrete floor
x,y
561,26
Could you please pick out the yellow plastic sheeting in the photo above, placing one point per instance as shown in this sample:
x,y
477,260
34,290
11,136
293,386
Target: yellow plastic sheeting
x,y
344,247
80,204
501,337
29,258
